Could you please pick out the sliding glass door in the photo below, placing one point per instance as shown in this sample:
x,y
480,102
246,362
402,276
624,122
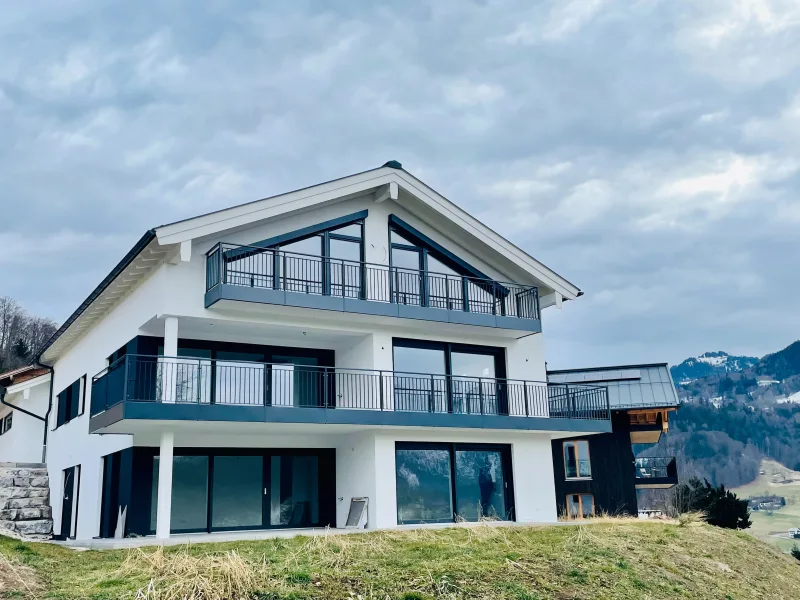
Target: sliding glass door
x,y
248,489
438,483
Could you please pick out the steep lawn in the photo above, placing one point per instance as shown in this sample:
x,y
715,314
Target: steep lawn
x,y
619,559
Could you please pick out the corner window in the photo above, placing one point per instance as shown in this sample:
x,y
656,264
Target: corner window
x,y
70,402
580,506
577,464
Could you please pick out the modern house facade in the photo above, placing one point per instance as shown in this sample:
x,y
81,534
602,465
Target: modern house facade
x,y
266,365
600,474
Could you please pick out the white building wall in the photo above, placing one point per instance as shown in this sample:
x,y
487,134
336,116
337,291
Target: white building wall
x,y
23,442
178,289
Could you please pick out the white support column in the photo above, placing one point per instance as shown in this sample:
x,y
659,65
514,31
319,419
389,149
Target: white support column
x,y
169,367
164,508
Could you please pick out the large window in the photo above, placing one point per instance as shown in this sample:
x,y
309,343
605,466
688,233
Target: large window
x,y
70,402
248,489
447,482
442,377
322,259
577,464
580,506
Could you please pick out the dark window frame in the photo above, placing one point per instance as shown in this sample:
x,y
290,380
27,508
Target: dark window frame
x,y
578,476
6,422
71,402
452,448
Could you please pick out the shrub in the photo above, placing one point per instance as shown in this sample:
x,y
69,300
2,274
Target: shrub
x,y
721,507
796,552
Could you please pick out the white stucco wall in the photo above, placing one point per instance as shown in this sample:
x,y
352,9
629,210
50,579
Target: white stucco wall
x,y
23,442
366,460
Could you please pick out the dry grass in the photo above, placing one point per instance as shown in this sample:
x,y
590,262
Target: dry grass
x,y
620,559
17,580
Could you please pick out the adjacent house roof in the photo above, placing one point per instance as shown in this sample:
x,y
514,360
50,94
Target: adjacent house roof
x,y
629,386
22,374
388,181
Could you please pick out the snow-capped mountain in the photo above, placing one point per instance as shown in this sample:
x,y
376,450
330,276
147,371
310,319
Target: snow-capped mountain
x,y
710,363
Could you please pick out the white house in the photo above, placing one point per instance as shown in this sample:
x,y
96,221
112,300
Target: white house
x,y
263,365
24,395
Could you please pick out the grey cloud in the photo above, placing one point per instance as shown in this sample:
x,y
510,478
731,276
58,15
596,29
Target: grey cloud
x,y
586,131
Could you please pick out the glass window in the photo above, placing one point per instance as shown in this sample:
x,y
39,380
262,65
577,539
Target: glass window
x,y
345,268
240,382
296,381
468,389
445,286
312,246
303,273
294,491
396,238
580,506
480,485
237,492
424,487
353,230
189,493
413,389
577,463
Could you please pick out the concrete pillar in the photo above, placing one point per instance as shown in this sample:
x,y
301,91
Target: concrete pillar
x,y
169,366
164,508
170,336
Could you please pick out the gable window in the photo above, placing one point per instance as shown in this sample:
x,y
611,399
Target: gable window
x,y
70,402
577,464
580,506
325,259
423,273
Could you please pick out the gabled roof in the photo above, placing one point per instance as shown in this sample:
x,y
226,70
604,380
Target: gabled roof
x,y
629,386
386,181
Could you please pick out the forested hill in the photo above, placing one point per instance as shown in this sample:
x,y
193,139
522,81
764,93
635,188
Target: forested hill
x,y
745,409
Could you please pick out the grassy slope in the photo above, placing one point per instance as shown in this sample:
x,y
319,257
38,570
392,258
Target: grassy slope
x,y
780,521
614,559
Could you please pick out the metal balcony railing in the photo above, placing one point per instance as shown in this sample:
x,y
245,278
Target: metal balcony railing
x,y
139,378
656,467
264,268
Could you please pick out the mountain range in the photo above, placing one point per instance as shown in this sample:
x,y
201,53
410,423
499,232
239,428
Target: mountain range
x,y
735,411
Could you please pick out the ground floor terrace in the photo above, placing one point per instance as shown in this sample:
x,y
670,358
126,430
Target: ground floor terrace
x,y
240,477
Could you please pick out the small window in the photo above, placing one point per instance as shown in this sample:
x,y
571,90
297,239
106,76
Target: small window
x,y
70,402
5,423
580,506
577,464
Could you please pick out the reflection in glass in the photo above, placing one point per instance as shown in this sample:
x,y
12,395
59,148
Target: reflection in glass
x,y
424,490
237,492
406,276
346,271
294,491
576,459
445,286
239,382
353,230
189,493
303,273
480,487
470,393
414,389
580,505
297,381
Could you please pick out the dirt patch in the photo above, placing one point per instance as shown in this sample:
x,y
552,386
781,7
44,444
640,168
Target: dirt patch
x,y
17,580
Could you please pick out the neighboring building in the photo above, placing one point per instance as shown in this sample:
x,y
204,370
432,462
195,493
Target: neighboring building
x,y
600,474
25,393
263,365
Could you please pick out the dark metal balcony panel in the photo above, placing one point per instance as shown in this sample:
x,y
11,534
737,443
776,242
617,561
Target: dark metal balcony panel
x,y
658,472
366,307
160,411
270,276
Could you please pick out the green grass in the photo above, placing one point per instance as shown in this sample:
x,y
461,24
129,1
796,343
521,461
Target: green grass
x,y
614,559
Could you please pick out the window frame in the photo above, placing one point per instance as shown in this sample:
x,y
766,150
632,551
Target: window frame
x,y
575,443
6,422
452,448
580,496
73,400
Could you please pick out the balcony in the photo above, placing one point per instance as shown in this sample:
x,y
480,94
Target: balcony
x,y
138,387
657,472
254,274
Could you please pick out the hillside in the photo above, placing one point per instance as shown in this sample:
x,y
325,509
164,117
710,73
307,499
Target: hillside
x,y
619,559
742,410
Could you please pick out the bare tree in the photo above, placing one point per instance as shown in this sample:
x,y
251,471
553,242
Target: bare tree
x,y
21,335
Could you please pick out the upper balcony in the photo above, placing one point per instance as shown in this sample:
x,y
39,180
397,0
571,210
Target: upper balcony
x,y
656,472
138,387
270,276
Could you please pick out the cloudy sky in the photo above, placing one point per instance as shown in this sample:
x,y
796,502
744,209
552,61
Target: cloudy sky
x,y
647,150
